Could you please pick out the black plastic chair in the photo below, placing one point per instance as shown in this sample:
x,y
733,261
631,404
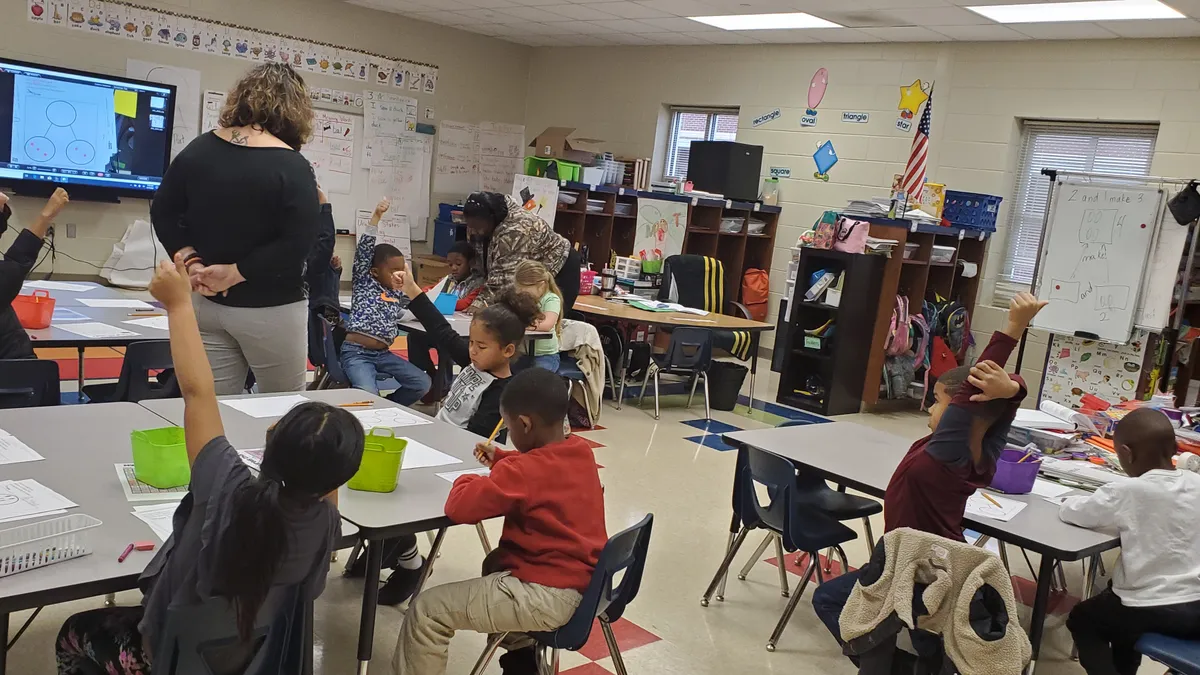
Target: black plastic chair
x,y
689,354
136,383
614,346
625,551
28,383
203,640
1181,656
800,526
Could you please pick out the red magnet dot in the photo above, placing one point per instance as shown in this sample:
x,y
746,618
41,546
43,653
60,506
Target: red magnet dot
x,y
1143,226
1057,287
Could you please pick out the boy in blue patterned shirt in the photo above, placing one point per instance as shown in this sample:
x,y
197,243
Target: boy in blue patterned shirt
x,y
374,316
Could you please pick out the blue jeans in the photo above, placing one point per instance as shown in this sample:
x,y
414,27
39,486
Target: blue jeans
x,y
362,365
830,598
545,361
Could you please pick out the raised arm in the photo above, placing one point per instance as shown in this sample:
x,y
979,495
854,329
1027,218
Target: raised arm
x,y
361,271
439,331
201,416
22,254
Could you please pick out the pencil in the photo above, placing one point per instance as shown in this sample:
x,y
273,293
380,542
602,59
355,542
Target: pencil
x,y
143,313
496,431
1027,456
356,404
989,498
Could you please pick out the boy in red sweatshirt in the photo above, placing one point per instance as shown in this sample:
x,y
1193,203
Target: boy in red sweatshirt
x,y
549,493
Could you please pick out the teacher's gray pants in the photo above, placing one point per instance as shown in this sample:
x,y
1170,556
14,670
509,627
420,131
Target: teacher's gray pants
x,y
270,340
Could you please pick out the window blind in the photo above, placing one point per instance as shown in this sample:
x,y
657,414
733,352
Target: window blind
x,y
696,124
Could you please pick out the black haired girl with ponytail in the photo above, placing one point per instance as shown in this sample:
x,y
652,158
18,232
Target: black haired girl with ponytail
x,y
234,535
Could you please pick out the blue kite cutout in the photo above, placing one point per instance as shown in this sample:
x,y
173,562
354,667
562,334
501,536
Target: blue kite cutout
x,y
825,157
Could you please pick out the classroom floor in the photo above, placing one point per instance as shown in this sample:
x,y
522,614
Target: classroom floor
x,y
677,469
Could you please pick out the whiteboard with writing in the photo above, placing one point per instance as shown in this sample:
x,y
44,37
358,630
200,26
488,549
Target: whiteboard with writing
x,y
1094,252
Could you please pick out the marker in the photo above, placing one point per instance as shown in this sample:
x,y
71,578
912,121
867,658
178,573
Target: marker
x,y
125,554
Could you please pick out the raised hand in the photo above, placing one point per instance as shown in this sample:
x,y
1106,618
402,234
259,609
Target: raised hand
x,y
171,285
993,382
55,204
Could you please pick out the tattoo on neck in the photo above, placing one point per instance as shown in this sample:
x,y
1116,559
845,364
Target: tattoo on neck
x,y
237,138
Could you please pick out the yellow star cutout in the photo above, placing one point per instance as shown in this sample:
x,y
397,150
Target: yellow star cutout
x,y
912,96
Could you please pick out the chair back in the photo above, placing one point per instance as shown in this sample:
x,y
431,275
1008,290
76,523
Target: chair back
x,y
613,344
803,528
28,383
333,364
690,349
1181,656
626,551
135,382
316,339
694,281
202,639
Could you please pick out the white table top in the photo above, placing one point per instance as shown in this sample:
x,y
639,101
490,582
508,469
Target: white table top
x,y
80,443
71,298
865,459
55,336
417,504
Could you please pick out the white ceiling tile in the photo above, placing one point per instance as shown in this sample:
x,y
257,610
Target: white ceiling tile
x,y
842,35
448,18
394,6
673,39
629,10
679,24
905,34
993,32
480,16
537,3
589,27
580,12
686,7
628,38
530,14
1162,28
939,16
523,28
625,26
785,36
1070,30
491,4
728,37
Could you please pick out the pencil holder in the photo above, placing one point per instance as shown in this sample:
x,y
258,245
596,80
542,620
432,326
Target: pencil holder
x,y
1014,476
383,455
160,457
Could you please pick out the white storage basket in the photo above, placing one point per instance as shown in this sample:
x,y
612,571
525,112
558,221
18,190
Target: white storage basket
x,y
36,545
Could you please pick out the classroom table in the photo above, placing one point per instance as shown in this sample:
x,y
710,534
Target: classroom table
x,y
55,336
597,307
417,504
80,443
865,459
70,298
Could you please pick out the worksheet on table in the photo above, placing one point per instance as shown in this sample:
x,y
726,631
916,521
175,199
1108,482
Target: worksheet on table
x,y
14,451
420,456
265,406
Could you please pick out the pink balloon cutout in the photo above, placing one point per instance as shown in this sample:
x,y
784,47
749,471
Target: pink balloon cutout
x,y
816,89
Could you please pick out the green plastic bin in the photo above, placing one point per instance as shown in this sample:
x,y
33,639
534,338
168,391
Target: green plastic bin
x,y
537,166
383,455
160,457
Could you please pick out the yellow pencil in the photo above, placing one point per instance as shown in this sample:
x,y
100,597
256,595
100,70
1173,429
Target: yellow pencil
x,y
989,498
496,431
1027,456
356,404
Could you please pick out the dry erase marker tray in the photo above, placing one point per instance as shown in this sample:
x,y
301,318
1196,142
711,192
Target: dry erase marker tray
x,y
36,545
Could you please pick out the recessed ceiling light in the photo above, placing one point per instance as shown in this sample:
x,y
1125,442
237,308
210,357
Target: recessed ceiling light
x,y
1097,10
762,21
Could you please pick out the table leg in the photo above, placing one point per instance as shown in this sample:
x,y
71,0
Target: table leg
x,y
3,643
754,338
1089,583
79,393
1038,619
366,624
619,386
427,569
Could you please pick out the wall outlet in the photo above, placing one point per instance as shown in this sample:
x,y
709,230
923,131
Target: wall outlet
x,y
50,232
70,230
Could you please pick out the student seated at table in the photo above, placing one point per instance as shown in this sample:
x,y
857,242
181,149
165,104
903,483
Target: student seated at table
x,y
969,421
466,286
549,493
1156,585
374,320
235,536
15,266
472,404
533,279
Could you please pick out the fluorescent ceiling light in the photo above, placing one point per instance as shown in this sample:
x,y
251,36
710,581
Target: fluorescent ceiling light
x,y
762,21
1098,10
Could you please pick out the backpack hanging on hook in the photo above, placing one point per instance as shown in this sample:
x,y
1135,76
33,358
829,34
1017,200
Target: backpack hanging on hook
x,y
1185,205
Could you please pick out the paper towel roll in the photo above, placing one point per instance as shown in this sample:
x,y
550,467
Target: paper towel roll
x,y
969,269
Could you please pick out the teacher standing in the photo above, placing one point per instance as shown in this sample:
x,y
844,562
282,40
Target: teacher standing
x,y
240,206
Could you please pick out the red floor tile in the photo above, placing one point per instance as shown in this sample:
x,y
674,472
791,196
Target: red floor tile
x,y
591,444
798,564
93,369
591,668
629,636
1058,603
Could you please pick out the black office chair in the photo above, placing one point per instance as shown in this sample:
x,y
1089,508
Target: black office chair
x,y
136,381
689,354
203,639
28,383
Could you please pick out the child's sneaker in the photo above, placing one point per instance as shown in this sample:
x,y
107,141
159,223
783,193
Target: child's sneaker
x,y
401,585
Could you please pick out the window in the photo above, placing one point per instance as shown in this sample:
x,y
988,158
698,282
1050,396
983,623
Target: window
x,y
696,124
1106,148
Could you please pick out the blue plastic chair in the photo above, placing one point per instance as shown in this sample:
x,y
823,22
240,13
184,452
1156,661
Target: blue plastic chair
x,y
625,551
1181,656
799,526
689,354
334,377
28,383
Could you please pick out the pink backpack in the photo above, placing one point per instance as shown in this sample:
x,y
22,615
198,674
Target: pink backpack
x,y
898,332
850,235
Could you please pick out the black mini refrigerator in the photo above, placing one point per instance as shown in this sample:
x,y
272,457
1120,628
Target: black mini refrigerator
x,y
726,168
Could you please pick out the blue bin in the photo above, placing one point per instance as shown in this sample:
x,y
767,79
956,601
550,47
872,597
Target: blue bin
x,y
972,210
445,303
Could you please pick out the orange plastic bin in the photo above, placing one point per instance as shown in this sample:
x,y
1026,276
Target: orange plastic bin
x,y
34,311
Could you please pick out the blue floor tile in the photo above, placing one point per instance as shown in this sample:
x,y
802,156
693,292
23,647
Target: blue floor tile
x,y
712,426
711,441
783,411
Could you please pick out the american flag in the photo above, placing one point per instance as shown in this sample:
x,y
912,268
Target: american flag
x,y
914,172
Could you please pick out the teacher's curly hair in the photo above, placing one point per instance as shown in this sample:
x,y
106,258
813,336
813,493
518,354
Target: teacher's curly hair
x,y
274,98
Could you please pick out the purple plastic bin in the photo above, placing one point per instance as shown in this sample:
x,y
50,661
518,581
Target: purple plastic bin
x,y
1014,478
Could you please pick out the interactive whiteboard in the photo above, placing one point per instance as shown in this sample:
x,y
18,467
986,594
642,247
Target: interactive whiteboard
x,y
1094,254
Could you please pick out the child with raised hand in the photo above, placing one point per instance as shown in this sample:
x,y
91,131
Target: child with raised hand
x,y
472,404
533,279
235,535
15,266
1156,584
548,491
374,320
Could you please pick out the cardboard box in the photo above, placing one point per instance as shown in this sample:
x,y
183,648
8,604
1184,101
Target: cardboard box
x,y
557,142
430,269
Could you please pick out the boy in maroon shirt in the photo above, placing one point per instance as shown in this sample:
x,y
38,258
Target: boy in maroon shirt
x,y
549,493
969,422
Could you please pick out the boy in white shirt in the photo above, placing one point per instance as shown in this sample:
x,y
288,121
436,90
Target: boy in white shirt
x,y
1156,586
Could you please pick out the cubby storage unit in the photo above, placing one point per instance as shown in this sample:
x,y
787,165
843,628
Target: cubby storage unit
x,y
609,231
835,364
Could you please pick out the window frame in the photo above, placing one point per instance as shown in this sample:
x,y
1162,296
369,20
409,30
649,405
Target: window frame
x,y
670,156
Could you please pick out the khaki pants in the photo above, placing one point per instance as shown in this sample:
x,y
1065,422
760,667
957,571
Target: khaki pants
x,y
492,604
270,340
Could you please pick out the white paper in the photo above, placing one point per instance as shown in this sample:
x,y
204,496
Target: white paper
x,y
96,330
421,456
502,156
58,286
394,229
252,458
399,169
14,451
137,491
1066,414
979,506
64,314
331,150
1036,419
210,114
187,97
1059,501
28,497
159,517
457,168
539,195
110,303
265,406
452,476
155,322
1045,488
387,115
388,418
